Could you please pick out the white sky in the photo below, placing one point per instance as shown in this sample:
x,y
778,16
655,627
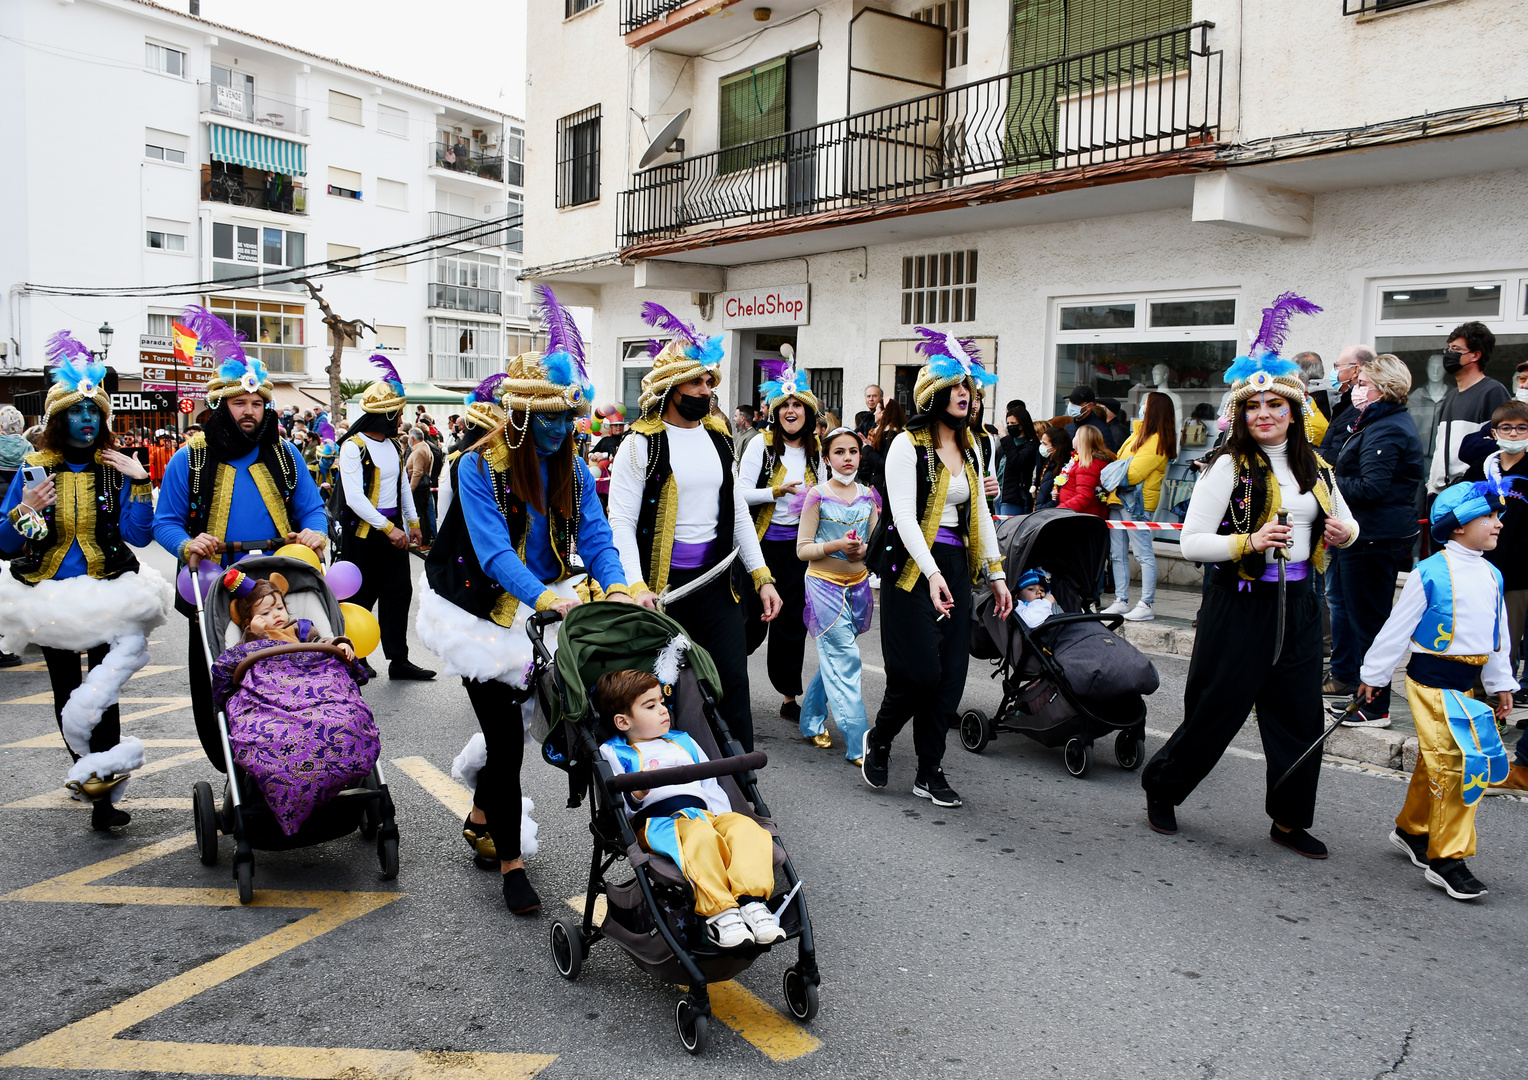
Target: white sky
x,y
470,49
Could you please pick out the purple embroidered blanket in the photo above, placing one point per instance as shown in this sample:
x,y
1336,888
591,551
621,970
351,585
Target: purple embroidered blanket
x,y
298,726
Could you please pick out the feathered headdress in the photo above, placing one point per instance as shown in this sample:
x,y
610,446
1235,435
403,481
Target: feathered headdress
x,y
564,344
1462,503
782,380
236,372
1262,369
77,376
951,360
689,354
482,403
385,396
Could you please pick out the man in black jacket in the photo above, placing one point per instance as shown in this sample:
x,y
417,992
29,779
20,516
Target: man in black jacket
x,y
1341,378
1509,427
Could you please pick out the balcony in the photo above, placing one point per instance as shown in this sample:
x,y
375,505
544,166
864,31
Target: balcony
x,y
462,157
465,230
239,185
463,367
1374,7
461,298
638,13
1148,96
280,117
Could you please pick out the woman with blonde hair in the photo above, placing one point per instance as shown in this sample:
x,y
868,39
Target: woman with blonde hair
x,y
1150,449
1077,486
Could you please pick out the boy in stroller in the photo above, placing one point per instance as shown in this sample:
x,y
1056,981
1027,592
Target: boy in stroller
x,y
1035,603
726,857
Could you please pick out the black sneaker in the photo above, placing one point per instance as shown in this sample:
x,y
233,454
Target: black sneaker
x,y
519,897
874,767
1298,841
935,788
9,659
1161,816
1335,687
402,669
790,710
1414,846
1454,878
104,816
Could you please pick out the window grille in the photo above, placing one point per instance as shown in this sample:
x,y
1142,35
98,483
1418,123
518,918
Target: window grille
x,y
578,157
939,288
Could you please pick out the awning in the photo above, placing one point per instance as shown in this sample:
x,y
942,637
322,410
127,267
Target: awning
x,y
258,151
299,397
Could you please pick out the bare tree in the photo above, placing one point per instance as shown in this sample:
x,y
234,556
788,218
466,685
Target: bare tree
x,y
341,332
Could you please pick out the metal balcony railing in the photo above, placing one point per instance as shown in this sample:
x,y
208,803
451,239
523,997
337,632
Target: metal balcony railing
x,y
465,367
636,13
465,230
1147,96
463,157
282,117
462,298
240,186
1371,7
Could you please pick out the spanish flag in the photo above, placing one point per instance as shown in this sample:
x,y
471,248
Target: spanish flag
x,y
185,344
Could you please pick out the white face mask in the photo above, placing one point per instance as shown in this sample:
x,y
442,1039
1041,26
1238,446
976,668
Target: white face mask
x,y
1073,410
1522,393
1361,396
1512,446
1045,451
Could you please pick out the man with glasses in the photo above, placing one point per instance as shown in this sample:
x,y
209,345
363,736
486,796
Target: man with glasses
x,y
1472,402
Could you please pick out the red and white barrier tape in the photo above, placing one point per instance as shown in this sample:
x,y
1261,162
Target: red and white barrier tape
x,y
1145,524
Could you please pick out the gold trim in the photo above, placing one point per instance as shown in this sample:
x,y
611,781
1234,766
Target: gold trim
x,y
74,515
931,513
222,499
547,600
363,529
270,494
663,531
495,451
505,606
841,579
615,589
761,577
776,478
141,491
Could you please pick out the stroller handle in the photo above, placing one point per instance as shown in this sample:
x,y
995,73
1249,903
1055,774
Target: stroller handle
x,y
239,547
689,774
282,650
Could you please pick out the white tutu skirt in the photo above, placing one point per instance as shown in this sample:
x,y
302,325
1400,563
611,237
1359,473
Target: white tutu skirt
x,y
481,649
80,613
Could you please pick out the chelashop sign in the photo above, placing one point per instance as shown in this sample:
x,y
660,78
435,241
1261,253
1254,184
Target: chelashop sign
x,y
784,305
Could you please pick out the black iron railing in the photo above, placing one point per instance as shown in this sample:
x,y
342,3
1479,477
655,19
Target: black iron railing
x,y
1370,7
463,157
1151,95
635,13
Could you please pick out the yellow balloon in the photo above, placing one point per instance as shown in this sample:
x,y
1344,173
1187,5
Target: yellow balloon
x,y
300,551
361,628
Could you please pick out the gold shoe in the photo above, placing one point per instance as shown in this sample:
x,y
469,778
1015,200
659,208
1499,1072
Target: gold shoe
x,y
858,762
480,841
95,789
822,739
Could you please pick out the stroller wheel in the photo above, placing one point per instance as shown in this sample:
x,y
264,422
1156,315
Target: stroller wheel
x,y
206,814
1078,756
694,1025
1129,750
568,950
800,995
244,874
975,730
387,855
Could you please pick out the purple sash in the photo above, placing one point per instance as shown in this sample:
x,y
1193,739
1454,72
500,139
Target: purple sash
x,y
690,556
949,536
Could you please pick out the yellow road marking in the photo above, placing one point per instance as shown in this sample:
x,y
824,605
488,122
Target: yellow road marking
x,y
154,669
61,800
93,1042
36,665
174,705
451,795
46,698
54,741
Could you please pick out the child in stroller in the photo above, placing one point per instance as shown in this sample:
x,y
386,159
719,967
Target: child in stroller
x,y
727,858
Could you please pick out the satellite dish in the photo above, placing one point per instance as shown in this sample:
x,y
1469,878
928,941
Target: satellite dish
x,y
668,141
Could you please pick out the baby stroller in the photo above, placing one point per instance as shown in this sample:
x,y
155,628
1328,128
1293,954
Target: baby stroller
x,y
1070,680
244,814
651,915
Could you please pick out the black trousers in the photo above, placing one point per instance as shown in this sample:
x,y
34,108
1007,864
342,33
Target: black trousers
x,y
201,693
787,633
1368,592
1231,671
713,618
497,706
386,583
64,674
926,658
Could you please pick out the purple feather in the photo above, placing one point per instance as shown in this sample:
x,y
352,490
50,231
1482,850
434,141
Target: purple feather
x,y
389,373
774,370
213,334
660,317
1275,328
561,332
64,346
488,389
654,347
933,344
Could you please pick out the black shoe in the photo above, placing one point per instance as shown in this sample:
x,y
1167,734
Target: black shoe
x,y
105,816
935,788
1335,687
875,764
1414,846
790,710
402,669
519,897
1161,816
1454,878
1520,699
9,659
1298,840
371,672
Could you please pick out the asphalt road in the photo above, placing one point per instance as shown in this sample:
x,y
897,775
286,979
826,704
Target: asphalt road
x,y
1041,929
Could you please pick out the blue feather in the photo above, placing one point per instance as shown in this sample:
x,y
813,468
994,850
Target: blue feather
x,y
710,354
559,368
1244,367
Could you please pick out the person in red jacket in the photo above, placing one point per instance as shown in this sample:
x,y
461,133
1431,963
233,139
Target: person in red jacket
x,y
1077,487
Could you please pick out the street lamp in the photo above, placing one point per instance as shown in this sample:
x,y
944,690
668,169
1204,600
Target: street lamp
x,y
106,333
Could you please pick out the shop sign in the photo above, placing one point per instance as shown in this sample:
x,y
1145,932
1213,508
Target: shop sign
x,y
784,305
145,401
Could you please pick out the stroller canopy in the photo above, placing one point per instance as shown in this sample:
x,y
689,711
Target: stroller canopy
x,y
1070,546
598,638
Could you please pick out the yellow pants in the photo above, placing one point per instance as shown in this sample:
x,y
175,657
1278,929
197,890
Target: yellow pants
x,y
1434,805
722,857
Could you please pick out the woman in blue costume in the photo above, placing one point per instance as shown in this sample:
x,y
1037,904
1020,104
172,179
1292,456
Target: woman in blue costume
x,y
524,503
75,585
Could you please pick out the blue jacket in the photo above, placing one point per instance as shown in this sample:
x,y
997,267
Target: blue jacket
x,y
1379,469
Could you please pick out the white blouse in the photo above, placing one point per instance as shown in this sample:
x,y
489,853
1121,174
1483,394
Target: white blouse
x,y
748,472
902,501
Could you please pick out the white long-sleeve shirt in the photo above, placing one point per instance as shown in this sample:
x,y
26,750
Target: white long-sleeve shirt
x,y
902,501
384,458
1478,605
698,477
1212,495
748,472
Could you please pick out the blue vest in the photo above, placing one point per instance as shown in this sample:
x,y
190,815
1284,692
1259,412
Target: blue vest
x,y
1436,630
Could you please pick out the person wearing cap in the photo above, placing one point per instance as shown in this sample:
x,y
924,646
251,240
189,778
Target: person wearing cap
x,y
1239,660
938,543
378,521
777,466
1082,408
75,584
1451,618
524,504
234,481
1116,424
677,509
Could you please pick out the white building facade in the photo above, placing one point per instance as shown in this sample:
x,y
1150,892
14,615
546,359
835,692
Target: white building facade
x,y
147,147
1098,191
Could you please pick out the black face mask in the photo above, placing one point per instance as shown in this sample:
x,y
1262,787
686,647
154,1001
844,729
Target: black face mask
x,y
691,407
1452,361
954,423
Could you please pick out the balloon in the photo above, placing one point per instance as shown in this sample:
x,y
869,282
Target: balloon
x,y
208,570
343,579
302,552
361,628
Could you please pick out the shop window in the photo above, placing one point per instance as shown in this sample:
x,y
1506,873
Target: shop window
x,y
939,288
1461,302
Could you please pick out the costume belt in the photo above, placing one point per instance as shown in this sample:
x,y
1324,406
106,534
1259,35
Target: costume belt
x,y
1473,659
843,579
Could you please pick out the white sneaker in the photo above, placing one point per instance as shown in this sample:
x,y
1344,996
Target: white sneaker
x,y
727,930
1119,607
762,921
1140,613
875,581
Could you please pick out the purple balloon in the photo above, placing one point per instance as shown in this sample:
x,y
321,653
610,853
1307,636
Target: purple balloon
x,y
343,579
207,570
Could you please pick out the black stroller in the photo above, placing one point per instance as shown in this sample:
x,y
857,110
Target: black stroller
x,y
243,813
651,916
1070,681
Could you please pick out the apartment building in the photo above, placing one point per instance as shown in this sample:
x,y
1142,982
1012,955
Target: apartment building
x,y
149,147
1098,191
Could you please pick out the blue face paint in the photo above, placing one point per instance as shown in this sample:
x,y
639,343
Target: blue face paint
x,y
550,430
84,421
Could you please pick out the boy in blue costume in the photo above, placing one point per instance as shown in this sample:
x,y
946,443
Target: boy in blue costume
x,y
1452,618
